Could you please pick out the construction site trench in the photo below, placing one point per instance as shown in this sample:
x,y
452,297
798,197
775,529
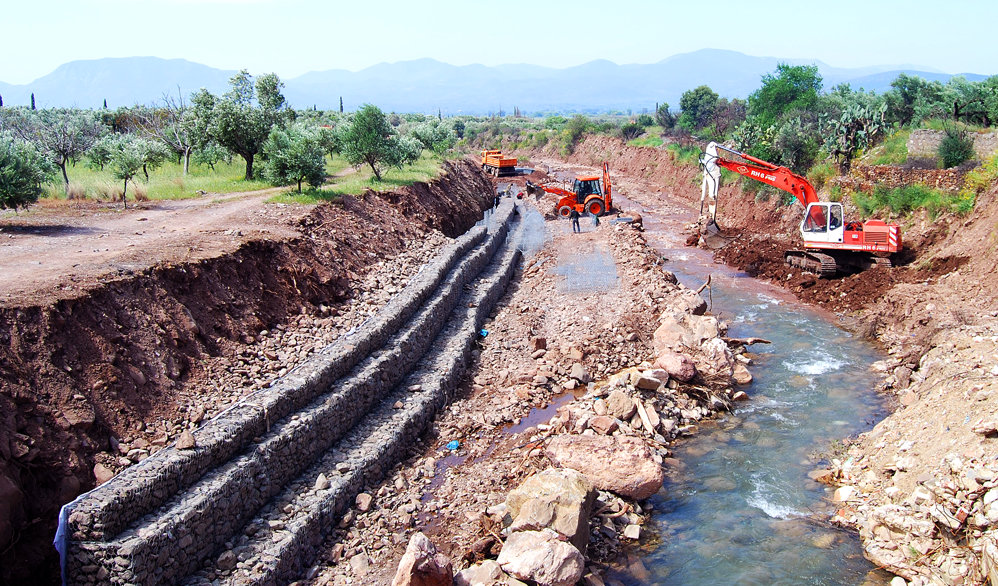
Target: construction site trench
x,y
286,393
263,487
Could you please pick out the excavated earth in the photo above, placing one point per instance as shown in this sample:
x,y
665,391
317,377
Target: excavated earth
x,y
166,314
128,328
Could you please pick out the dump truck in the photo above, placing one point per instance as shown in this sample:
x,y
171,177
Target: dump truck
x,y
497,165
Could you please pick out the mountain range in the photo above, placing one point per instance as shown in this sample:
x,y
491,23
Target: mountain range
x,y
427,85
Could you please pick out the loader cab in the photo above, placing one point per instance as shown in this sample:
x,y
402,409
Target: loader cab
x,y
586,186
822,222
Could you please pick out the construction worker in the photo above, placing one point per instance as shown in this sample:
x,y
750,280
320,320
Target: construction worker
x,y
574,216
595,221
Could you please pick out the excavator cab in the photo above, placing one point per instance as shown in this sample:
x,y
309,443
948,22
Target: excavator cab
x,y
586,186
822,223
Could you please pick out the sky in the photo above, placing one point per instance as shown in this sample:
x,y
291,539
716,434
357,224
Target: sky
x,y
292,37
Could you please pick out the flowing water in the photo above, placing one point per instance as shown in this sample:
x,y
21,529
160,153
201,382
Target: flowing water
x,y
738,509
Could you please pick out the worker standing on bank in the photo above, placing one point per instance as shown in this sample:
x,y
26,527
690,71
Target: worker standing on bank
x,y
574,216
595,221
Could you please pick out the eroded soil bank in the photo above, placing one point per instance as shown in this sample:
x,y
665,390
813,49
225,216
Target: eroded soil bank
x,y
102,366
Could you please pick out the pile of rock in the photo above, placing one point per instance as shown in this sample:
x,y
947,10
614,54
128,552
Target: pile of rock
x,y
945,531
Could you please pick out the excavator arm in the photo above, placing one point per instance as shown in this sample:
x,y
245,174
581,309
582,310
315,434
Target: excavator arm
x,y
779,177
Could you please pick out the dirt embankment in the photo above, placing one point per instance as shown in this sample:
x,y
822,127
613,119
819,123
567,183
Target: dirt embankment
x,y
112,368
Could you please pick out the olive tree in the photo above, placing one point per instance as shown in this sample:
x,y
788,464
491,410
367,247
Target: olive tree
x,y
63,135
242,126
172,125
127,154
295,154
370,139
23,170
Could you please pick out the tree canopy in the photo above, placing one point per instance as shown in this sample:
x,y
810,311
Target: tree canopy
x,y
794,87
698,106
295,154
23,170
369,138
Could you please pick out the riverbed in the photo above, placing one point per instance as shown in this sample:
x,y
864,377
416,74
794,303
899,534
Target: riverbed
x,y
739,508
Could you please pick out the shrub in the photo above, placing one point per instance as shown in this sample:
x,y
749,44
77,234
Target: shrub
x,y
904,200
984,176
819,174
630,131
955,148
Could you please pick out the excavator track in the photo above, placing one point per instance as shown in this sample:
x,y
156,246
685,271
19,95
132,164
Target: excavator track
x,y
821,264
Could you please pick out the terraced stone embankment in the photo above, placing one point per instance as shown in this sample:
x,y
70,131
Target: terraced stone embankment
x,y
348,414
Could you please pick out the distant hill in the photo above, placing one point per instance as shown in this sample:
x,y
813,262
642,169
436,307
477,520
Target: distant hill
x,y
426,85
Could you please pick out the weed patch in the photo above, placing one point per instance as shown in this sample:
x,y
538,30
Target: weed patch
x,y
902,201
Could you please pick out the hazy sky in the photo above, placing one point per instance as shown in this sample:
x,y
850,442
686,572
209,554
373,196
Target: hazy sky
x,y
291,37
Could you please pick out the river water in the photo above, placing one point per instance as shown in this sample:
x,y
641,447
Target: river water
x,y
739,508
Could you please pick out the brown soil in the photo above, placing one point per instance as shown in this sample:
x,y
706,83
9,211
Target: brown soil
x,y
113,345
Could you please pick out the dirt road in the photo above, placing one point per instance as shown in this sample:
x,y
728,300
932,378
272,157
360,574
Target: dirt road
x,y
46,255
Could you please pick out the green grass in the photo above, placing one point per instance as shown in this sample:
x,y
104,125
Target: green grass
x,y
941,124
166,182
426,168
646,140
983,176
893,151
689,155
902,201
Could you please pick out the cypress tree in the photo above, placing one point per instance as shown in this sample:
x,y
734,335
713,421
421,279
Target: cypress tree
x,y
105,103
341,104
32,100
1,101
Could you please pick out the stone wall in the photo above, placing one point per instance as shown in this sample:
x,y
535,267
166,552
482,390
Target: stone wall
x,y
892,176
925,143
158,520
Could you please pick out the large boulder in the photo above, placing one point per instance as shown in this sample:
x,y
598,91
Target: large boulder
x,y
543,557
715,363
688,301
620,405
422,565
620,464
679,366
487,573
560,499
669,335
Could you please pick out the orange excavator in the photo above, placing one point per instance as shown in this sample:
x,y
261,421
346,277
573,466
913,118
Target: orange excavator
x,y
831,244
588,194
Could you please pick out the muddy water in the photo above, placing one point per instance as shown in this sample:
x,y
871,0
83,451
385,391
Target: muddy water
x,y
739,510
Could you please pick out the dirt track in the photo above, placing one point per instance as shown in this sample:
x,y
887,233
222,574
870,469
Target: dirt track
x,y
45,254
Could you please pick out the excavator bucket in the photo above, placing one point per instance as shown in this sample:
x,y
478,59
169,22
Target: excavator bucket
x,y
534,190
